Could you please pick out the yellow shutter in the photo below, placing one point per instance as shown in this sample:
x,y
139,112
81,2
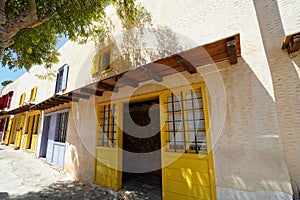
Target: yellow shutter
x,y
95,64
33,93
22,99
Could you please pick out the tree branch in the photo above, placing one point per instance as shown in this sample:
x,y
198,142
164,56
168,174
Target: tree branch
x,y
3,18
27,19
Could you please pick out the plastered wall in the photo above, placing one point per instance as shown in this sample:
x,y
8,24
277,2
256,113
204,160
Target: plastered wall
x,y
253,105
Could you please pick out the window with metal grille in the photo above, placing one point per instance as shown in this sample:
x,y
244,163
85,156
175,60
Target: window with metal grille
x,y
61,78
185,121
61,127
108,125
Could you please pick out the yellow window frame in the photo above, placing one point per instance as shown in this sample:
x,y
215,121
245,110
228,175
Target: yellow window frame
x,y
33,93
184,112
97,63
107,115
22,99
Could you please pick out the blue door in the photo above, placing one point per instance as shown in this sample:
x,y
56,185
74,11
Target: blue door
x,y
55,154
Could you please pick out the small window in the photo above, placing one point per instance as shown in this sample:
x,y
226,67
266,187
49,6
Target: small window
x,y
108,125
102,61
33,93
105,61
22,99
61,79
61,127
185,121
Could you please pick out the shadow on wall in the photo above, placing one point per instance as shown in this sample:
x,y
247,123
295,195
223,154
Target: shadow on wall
x,y
248,154
63,190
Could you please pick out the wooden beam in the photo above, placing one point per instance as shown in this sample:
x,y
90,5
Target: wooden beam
x,y
150,73
78,95
53,100
231,50
73,99
127,81
91,91
186,64
106,87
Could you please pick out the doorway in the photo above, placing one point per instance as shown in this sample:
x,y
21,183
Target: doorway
x,y
45,133
141,149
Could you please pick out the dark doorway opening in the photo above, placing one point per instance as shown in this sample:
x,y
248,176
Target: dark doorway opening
x,y
141,149
45,133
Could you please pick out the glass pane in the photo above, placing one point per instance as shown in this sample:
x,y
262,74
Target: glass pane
x,y
177,106
179,142
198,115
106,60
198,103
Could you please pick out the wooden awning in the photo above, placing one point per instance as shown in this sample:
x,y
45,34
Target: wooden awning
x,y
21,109
53,101
225,49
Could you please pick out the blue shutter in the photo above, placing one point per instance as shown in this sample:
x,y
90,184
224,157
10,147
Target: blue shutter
x,y
57,83
65,77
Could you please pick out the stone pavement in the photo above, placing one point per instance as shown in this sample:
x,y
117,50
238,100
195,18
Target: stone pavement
x,y
22,176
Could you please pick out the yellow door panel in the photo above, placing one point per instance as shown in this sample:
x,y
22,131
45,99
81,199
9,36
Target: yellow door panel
x,y
187,175
108,158
33,143
24,143
19,129
188,189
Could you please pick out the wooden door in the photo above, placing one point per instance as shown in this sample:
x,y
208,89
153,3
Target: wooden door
x,y
108,152
186,153
20,124
34,135
31,126
8,131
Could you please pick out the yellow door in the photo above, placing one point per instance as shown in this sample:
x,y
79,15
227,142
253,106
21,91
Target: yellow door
x,y
108,154
187,164
31,126
19,129
35,132
9,128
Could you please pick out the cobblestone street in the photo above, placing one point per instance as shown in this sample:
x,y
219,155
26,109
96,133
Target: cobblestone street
x,y
25,177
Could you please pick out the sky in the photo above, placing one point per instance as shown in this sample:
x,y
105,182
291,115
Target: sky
x,y
6,74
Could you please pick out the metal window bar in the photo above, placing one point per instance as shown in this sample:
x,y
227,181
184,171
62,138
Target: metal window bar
x,y
173,123
108,126
103,126
183,118
113,125
194,122
66,116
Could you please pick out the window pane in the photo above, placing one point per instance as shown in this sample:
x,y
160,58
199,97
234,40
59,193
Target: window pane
x,y
178,142
106,61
